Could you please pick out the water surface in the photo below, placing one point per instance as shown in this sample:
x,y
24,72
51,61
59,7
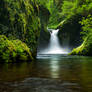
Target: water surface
x,y
75,72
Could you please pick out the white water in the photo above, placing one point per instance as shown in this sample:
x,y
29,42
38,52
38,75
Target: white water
x,y
54,46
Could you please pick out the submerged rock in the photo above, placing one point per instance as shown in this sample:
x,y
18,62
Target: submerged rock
x,y
44,85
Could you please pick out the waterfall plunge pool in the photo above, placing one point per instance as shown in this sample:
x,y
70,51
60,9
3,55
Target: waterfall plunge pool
x,y
52,73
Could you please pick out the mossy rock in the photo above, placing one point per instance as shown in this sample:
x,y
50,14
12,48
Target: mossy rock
x,y
85,48
13,50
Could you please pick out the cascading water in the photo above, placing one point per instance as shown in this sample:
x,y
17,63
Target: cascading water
x,y
54,46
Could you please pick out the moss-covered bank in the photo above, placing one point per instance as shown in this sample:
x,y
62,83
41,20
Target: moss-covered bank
x,y
13,50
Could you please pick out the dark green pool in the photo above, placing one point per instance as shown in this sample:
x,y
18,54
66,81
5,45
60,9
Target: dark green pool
x,y
75,72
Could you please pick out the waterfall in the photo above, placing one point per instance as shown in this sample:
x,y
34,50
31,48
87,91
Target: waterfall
x,y
54,45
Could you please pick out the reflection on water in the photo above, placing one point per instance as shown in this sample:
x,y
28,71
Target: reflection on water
x,y
54,68
73,69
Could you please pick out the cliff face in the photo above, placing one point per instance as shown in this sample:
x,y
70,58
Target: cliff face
x,y
69,34
21,19
44,34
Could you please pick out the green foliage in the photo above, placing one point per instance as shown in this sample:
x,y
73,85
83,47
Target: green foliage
x,y
47,4
55,16
84,7
68,8
73,7
13,50
86,26
54,7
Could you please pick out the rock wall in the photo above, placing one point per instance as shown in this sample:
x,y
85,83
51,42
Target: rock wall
x,y
69,34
